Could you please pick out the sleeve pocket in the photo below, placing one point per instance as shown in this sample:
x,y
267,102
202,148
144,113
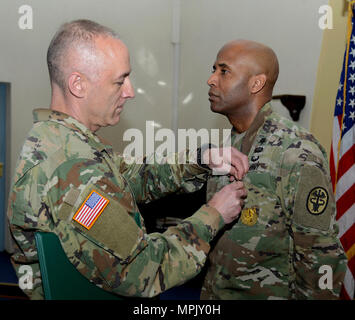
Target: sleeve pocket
x,y
114,230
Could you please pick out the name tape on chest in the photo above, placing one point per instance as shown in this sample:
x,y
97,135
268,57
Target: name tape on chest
x,y
91,209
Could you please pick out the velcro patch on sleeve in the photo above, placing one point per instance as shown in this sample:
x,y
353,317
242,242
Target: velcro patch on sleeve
x,y
103,220
317,200
314,203
91,209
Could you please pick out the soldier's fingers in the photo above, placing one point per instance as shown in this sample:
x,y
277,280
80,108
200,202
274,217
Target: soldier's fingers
x,y
243,192
241,203
240,161
238,185
237,210
241,195
233,178
237,168
235,173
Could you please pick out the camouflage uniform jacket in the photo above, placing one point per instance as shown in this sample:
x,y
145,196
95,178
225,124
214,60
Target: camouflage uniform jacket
x,y
286,231
61,164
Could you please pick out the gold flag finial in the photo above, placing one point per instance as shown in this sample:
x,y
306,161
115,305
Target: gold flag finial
x,y
346,6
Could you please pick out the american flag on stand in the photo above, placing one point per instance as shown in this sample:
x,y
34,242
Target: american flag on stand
x,y
342,157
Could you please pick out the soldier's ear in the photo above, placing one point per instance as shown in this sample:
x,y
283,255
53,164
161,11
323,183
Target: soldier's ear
x,y
77,84
257,83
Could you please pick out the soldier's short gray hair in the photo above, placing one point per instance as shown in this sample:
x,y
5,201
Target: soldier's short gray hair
x,y
78,32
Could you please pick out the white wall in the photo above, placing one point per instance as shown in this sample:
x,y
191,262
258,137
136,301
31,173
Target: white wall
x,y
144,25
290,27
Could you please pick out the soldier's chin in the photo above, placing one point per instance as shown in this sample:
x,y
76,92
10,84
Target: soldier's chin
x,y
114,120
117,119
214,108
116,116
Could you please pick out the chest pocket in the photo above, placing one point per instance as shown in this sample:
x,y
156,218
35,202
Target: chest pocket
x,y
253,253
262,211
261,230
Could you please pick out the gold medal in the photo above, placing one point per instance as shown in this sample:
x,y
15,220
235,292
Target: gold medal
x,y
249,216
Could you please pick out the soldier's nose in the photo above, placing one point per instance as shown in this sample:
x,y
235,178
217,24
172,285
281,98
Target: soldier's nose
x,y
211,80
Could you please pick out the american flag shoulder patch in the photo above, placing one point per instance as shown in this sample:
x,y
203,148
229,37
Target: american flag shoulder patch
x,y
91,209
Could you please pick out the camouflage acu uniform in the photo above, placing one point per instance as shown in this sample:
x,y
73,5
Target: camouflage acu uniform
x,y
286,230
61,163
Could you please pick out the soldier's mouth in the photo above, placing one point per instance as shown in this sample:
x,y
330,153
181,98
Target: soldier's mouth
x,y
212,93
212,96
119,109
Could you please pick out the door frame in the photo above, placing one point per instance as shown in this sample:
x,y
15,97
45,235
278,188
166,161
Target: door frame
x,y
4,234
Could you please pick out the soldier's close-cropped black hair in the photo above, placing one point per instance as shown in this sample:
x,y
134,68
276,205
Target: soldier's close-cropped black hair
x,y
75,33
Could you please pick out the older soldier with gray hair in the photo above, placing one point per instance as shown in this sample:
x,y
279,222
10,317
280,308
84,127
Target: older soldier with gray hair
x,y
69,181
286,232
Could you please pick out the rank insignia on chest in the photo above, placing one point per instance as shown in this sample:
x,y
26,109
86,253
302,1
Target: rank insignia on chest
x,y
249,216
317,201
91,209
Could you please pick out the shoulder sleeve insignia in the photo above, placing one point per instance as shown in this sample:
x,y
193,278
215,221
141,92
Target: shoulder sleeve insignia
x,y
105,221
314,200
317,200
249,216
91,209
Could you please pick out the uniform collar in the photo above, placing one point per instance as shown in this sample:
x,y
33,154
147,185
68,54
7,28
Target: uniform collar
x,y
250,134
61,118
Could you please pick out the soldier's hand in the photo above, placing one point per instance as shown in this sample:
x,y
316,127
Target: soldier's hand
x,y
229,200
226,160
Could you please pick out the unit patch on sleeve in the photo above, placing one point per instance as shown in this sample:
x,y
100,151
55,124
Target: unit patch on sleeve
x,y
91,209
103,220
317,200
314,201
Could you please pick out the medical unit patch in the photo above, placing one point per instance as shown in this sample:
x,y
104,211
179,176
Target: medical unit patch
x,y
91,209
317,201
